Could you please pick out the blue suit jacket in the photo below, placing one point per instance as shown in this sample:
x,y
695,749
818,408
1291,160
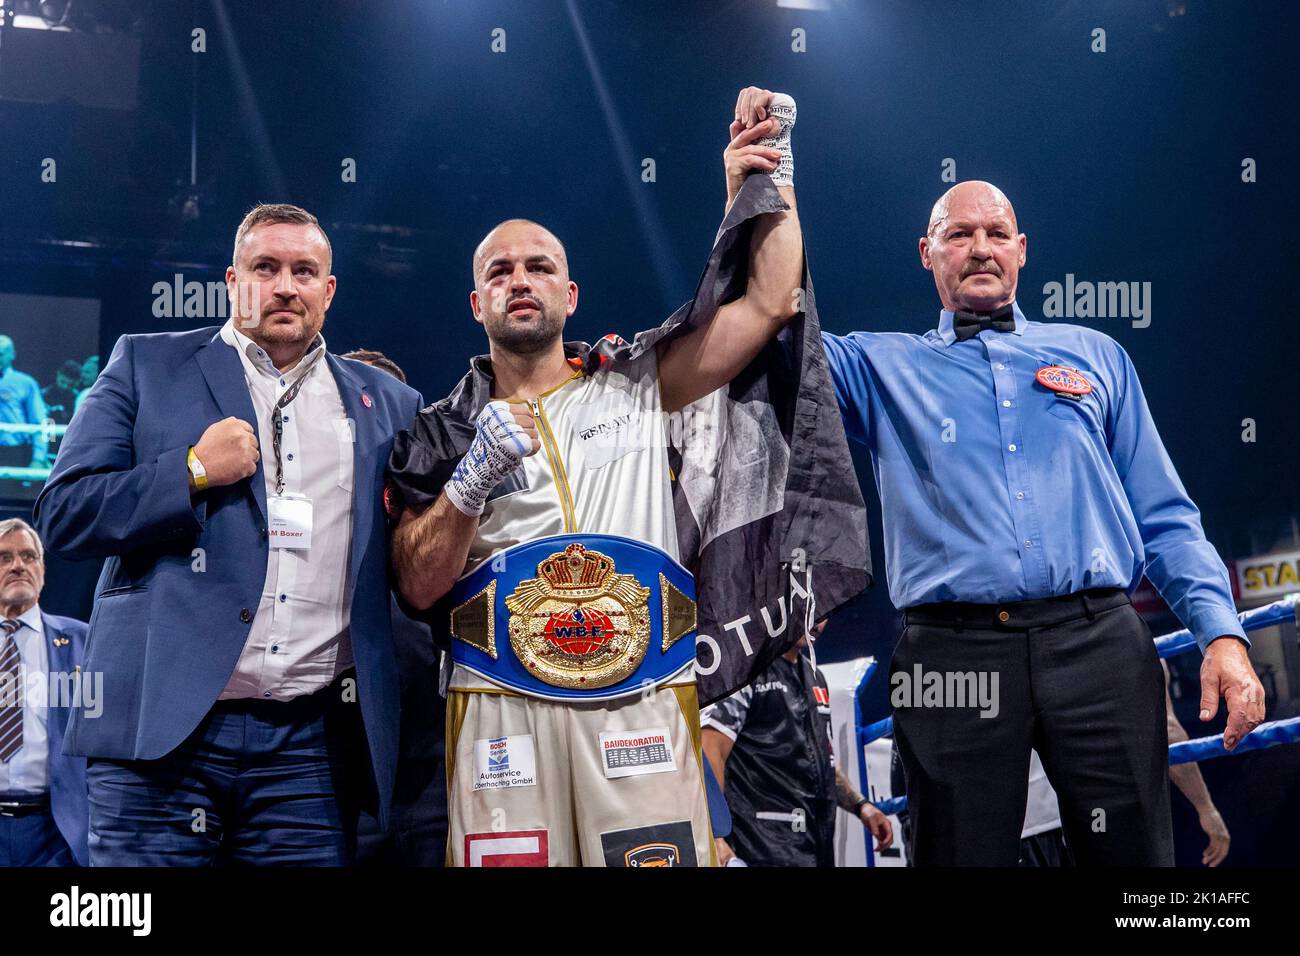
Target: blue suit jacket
x,y
170,620
65,649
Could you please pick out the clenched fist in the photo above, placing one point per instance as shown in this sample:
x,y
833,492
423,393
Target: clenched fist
x,y
505,435
228,452
522,413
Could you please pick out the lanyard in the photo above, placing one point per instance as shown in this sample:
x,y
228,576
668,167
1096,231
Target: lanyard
x,y
277,418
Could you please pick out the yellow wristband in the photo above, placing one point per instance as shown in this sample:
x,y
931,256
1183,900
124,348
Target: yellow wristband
x,y
196,470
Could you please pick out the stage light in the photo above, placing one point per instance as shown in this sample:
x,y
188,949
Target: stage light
x,y
63,16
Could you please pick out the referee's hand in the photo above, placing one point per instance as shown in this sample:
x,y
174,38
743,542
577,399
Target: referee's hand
x,y
1226,672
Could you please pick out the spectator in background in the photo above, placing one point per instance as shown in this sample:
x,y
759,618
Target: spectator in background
x,y
44,813
772,747
378,360
61,397
20,404
417,835
89,372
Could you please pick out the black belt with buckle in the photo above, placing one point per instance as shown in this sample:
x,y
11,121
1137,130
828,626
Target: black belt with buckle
x,y
1018,615
20,805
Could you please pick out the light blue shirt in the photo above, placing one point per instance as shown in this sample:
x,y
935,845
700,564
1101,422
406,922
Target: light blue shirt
x,y
20,404
995,488
27,771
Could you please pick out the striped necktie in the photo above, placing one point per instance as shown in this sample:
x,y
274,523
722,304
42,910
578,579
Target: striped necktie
x,y
11,697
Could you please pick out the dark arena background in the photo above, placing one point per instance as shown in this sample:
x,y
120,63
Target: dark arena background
x,y
1149,143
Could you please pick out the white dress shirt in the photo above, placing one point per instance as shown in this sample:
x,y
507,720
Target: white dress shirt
x,y
300,639
1042,811
27,771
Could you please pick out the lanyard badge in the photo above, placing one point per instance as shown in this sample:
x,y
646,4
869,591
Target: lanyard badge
x,y
289,515
277,419
289,522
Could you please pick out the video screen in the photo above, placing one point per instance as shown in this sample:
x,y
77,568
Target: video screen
x,y
49,357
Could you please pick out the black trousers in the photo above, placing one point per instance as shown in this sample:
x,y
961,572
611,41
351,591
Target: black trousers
x,y
1077,678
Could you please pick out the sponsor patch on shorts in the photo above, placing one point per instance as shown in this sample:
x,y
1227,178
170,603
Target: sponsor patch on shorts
x,y
502,762
507,848
664,844
632,752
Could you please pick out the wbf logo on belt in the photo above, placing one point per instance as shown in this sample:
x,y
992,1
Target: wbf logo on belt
x,y
600,617
562,621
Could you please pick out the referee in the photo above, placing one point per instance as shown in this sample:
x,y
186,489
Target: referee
x,y
1025,491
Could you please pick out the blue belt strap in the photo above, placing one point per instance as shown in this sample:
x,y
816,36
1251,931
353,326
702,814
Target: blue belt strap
x,y
480,616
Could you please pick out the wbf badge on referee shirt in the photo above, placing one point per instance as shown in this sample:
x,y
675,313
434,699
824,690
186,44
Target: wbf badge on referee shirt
x,y
289,523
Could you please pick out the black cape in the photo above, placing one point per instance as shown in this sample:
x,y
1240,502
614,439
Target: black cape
x,y
770,515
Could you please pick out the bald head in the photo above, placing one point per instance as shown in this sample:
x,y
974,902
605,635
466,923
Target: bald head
x,y
522,290
974,248
974,194
513,233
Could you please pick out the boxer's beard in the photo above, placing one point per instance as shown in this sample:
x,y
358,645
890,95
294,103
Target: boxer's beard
x,y
524,338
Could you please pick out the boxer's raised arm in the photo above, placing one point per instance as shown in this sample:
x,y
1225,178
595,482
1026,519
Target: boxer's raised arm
x,y
708,357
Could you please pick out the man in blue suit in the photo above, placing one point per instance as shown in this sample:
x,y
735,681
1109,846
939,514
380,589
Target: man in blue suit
x,y
42,791
232,478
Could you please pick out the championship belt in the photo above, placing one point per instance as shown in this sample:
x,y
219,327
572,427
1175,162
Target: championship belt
x,y
575,617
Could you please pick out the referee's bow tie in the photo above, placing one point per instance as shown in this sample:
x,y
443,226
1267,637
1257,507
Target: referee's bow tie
x,y
967,325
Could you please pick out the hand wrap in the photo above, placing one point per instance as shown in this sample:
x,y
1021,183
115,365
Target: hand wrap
x,y
782,109
500,446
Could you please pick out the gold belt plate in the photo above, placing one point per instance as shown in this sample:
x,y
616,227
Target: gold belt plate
x,y
580,624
